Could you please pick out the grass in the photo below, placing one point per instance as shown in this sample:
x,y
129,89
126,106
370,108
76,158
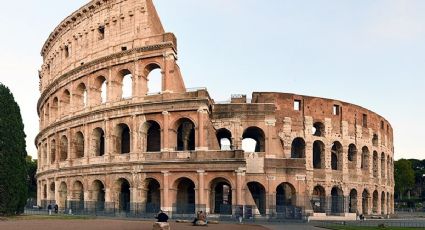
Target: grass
x,y
369,228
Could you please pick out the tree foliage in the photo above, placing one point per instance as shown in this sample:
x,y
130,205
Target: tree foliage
x,y
404,176
32,181
13,173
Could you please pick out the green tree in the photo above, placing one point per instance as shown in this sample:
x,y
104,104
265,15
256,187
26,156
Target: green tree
x,y
13,173
404,176
32,182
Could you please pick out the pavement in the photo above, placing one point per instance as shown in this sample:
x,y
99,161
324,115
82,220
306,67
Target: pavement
x,y
290,226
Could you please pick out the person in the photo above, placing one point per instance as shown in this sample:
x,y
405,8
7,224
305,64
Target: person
x,y
197,217
200,216
56,208
49,208
162,217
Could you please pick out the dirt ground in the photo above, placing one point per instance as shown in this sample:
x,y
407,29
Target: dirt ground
x,y
110,225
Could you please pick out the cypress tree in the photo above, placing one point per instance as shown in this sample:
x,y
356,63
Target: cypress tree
x,y
13,175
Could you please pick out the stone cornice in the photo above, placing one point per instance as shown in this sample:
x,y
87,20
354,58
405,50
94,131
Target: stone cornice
x,y
99,61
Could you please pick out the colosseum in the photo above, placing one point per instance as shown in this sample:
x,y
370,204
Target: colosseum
x,y
108,144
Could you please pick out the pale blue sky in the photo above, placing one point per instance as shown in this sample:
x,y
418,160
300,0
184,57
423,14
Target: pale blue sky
x,y
367,52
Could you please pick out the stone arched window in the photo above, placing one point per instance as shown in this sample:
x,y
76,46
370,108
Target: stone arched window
x,y
126,84
253,140
258,193
365,158
318,129
337,205
65,102
52,151
152,134
79,145
98,142
375,139
46,114
55,109
318,199
80,96
298,148
123,139
318,155
336,156
224,138
153,75
63,148
383,164
100,90
352,156
375,164
185,135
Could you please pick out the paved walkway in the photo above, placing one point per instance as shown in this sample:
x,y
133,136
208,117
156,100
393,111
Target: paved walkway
x,y
290,226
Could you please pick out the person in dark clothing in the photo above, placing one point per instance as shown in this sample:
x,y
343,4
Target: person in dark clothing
x,y
49,208
56,208
162,217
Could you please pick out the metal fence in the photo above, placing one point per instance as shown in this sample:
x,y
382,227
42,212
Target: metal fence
x,y
373,223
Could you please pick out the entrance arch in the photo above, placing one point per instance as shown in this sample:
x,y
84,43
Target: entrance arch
x,y
153,196
365,202
258,193
319,199
185,135
221,196
337,201
353,201
122,189
98,195
185,197
63,193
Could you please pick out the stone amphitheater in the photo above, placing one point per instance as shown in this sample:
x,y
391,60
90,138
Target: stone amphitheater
x,y
107,141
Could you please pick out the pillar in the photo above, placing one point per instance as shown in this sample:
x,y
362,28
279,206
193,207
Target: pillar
x,y
240,180
165,132
201,130
165,199
201,188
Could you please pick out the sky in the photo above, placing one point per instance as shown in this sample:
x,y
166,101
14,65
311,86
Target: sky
x,y
365,52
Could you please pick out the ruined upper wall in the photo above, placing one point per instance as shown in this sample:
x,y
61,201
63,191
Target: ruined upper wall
x,y
96,30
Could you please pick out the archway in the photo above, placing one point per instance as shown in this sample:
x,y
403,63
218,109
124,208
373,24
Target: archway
x,y
100,90
153,136
336,156
375,202
185,135
375,164
365,158
353,201
352,156
52,151
365,202
80,96
64,148
319,199
383,176
65,102
123,189
98,138
298,148
221,196
285,196
123,139
337,201
185,200
77,203
258,193
318,129
63,194
224,138
253,134
318,155
153,196
98,195
79,145
153,75
127,84
383,203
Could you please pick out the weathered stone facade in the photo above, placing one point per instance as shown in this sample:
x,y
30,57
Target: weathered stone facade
x,y
178,147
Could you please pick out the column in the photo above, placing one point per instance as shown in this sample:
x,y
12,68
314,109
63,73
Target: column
x,y
165,132
201,129
165,199
201,188
240,179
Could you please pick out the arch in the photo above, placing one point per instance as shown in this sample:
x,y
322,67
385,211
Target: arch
x,y
375,140
151,132
63,148
185,197
285,196
337,200
77,203
352,156
336,156
126,78
153,196
100,90
319,199
375,202
123,188
258,193
298,148
221,196
224,138
123,139
375,164
185,135
55,108
250,135
318,155
63,193
80,96
365,201
153,73
383,203
365,158
52,151
52,189
352,204
45,192
65,102
98,142
46,114
98,195
79,145
318,129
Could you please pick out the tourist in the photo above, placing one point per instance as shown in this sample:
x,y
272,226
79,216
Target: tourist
x,y
49,208
56,208
162,217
